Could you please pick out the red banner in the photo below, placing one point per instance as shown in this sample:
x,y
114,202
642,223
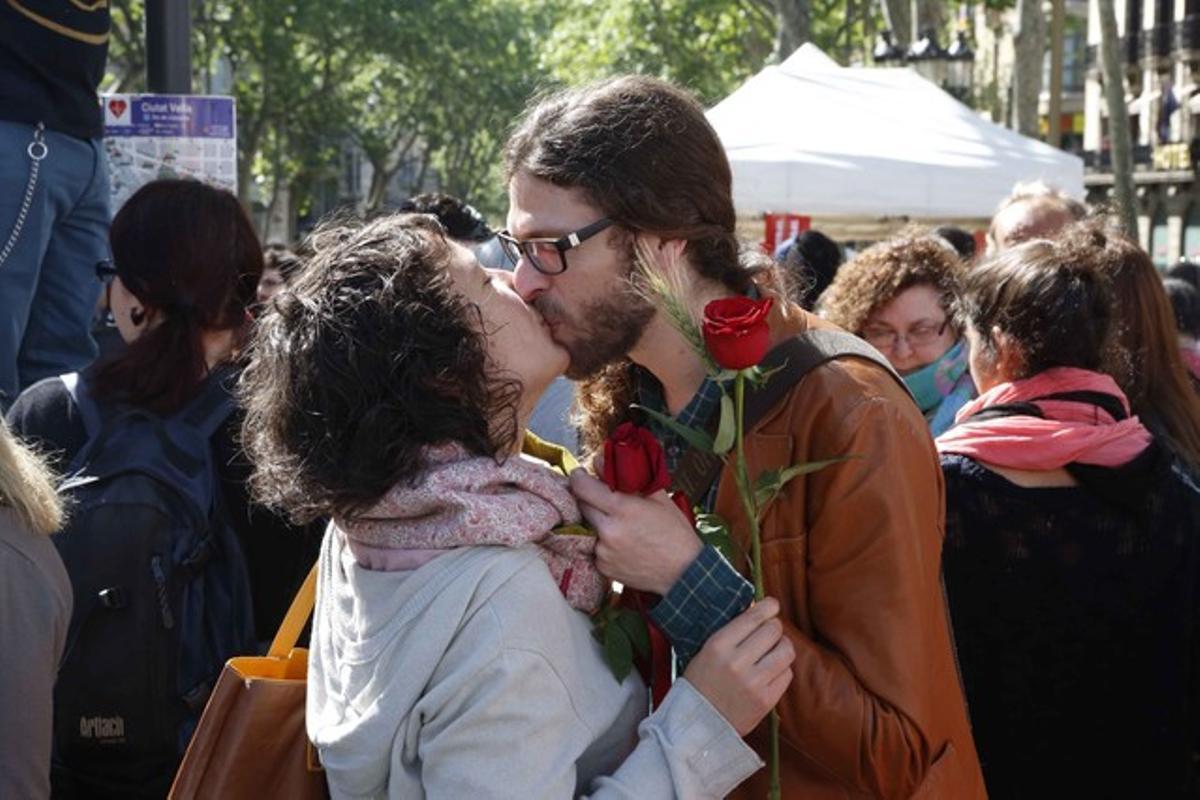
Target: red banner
x,y
781,227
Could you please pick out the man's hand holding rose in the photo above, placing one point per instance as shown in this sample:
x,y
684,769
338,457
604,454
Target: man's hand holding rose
x,y
645,542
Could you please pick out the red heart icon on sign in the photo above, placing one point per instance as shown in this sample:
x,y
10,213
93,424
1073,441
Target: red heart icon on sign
x,y
117,107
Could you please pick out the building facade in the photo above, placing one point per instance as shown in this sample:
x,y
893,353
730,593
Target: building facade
x,y
1160,53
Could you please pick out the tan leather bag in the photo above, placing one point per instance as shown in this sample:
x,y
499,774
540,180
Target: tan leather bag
x,y
251,742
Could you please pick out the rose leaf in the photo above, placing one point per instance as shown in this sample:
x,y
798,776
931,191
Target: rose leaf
x,y
697,439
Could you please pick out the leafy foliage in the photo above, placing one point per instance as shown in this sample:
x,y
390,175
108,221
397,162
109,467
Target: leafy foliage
x,y
771,482
708,45
622,633
696,438
713,530
427,90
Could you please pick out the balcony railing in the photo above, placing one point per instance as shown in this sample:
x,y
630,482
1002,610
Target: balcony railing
x,y
1163,158
1185,37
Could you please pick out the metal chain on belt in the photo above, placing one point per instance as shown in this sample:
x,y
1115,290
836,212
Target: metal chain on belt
x,y
37,150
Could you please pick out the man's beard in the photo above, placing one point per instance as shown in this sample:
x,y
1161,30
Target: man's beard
x,y
604,332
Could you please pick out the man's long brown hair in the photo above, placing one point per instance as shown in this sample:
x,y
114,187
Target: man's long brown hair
x,y
642,151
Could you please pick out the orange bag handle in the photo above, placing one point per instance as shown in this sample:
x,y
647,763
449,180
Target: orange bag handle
x,y
296,617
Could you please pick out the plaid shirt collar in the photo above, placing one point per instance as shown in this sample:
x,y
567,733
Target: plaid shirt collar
x,y
703,406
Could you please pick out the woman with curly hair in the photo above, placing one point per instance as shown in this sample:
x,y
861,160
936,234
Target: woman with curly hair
x,y
900,296
452,654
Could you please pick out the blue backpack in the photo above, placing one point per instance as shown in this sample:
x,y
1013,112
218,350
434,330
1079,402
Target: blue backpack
x,y
162,593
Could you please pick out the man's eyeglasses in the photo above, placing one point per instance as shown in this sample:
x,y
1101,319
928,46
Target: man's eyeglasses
x,y
548,255
920,335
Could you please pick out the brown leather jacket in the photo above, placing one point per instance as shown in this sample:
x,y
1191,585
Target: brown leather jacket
x,y
853,553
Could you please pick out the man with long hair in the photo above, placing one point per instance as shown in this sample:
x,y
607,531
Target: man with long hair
x,y
853,551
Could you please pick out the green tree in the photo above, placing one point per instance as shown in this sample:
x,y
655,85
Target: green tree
x,y
440,90
710,46
127,48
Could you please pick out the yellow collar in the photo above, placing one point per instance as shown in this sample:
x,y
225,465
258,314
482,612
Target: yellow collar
x,y
558,457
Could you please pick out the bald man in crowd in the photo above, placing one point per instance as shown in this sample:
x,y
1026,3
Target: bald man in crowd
x,y
1034,210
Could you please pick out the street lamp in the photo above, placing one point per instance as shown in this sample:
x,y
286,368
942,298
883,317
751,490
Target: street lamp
x,y
885,49
928,58
962,67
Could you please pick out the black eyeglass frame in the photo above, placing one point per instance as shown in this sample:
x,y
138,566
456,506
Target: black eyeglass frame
x,y
513,246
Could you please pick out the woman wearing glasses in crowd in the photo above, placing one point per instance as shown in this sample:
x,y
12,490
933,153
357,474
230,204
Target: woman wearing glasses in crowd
x,y
900,296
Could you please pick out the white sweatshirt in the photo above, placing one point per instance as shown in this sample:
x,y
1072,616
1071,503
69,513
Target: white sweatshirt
x,y
472,677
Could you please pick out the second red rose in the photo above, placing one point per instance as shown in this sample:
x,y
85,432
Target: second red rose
x,y
634,462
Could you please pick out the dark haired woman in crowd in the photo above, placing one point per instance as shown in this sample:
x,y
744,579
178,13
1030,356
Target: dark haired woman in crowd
x,y
1148,364
1185,302
185,265
452,653
812,259
1184,271
900,296
1071,550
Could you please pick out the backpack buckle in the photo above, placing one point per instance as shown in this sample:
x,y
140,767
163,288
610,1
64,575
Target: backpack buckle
x,y
196,560
112,598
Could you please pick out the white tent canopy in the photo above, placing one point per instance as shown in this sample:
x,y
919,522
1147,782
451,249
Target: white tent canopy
x,y
814,138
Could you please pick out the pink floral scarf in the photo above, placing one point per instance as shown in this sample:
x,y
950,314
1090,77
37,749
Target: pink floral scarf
x,y
1072,432
465,501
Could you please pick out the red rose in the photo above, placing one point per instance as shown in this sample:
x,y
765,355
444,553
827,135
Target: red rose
x,y
736,332
634,462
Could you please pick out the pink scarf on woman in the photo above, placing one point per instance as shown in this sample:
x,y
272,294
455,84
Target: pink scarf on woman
x,y
1072,432
465,501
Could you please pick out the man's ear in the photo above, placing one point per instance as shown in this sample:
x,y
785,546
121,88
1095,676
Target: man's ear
x,y
663,252
673,249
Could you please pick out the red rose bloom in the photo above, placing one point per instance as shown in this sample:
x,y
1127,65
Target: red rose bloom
x,y
736,332
634,462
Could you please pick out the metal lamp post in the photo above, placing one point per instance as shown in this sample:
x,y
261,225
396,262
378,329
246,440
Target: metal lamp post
x,y
885,50
168,47
928,58
962,67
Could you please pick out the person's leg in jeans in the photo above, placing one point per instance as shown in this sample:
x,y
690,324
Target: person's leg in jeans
x,y
19,270
58,335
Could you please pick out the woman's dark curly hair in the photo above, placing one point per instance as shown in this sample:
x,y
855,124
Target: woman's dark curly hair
x,y
370,358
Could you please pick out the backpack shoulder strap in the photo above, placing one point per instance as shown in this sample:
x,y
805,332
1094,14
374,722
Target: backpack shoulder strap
x,y
794,358
1028,408
800,355
89,410
212,406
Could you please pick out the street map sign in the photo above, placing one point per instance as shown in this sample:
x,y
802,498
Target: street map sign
x,y
151,136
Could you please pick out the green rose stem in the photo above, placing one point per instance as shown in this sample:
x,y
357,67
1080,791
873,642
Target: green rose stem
x,y
741,473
